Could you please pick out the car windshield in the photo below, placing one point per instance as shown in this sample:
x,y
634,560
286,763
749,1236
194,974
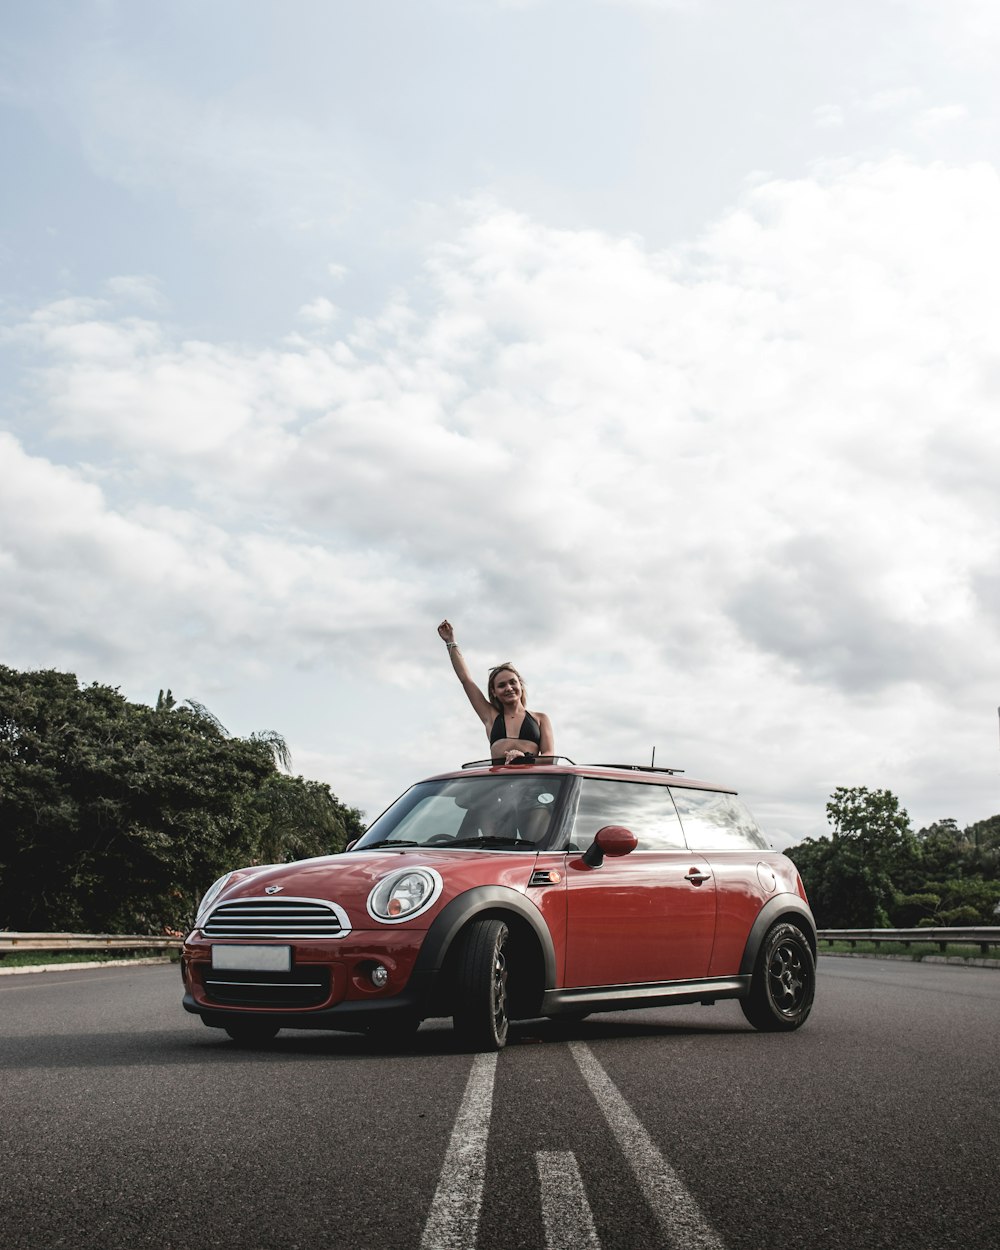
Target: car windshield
x,y
477,813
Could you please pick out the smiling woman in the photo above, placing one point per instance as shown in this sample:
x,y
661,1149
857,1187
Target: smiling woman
x,y
513,731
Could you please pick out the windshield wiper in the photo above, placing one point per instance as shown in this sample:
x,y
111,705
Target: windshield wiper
x,y
490,841
372,846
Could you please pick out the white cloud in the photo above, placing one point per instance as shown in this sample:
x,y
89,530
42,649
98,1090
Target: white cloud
x,y
734,499
141,289
148,583
321,311
931,121
891,99
829,116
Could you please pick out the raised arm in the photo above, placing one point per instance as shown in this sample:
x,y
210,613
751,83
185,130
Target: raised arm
x,y
481,705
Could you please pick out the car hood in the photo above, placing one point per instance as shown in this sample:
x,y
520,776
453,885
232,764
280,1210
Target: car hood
x,y
348,879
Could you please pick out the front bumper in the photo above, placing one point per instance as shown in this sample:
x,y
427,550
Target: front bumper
x,y
329,985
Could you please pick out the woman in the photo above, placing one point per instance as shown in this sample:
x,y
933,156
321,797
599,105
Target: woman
x,y
513,731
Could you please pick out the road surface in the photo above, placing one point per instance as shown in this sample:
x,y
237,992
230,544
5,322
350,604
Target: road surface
x,y
125,1122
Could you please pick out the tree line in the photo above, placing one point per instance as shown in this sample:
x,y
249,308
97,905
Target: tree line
x,y
874,872
116,816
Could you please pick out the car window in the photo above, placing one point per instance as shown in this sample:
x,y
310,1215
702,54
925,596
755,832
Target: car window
x,y
432,815
518,812
716,822
645,809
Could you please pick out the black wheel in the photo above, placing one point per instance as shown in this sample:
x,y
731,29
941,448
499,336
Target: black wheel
x,y
251,1032
480,1013
784,981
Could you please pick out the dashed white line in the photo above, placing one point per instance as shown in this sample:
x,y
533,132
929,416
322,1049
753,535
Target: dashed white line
x,y
569,1224
676,1211
454,1215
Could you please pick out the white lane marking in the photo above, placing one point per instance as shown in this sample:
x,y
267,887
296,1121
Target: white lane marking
x,y
569,1224
454,1216
675,1209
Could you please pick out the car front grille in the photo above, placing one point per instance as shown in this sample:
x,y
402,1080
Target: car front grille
x,y
302,987
277,918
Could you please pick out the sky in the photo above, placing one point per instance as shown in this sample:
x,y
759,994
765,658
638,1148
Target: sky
x,y
652,342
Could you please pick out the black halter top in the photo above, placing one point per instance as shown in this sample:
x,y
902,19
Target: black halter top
x,y
529,731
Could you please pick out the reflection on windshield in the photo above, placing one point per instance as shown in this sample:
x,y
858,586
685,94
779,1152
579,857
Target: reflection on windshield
x,y
495,813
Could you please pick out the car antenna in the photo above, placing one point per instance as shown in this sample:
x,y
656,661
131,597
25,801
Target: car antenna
x,y
652,762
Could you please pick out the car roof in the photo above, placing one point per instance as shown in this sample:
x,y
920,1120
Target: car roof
x,y
561,765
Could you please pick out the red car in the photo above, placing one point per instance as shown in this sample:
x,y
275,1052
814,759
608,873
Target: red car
x,y
512,892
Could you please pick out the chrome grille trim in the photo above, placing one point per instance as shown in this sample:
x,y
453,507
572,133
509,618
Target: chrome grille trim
x,y
300,989
272,918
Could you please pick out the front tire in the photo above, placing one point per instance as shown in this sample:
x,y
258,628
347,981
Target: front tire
x,y
480,1016
784,981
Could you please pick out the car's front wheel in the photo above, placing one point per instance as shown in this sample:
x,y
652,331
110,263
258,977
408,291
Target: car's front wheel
x,y
784,981
480,1013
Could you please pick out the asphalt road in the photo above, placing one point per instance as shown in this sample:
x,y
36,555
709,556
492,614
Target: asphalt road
x,y
125,1122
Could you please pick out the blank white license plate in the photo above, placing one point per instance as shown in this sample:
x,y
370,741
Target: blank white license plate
x,y
253,958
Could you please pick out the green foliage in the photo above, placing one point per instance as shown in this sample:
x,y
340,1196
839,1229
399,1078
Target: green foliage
x,y
910,910
849,877
873,872
116,816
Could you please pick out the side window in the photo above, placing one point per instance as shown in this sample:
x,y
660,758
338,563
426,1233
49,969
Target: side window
x,y
717,822
646,810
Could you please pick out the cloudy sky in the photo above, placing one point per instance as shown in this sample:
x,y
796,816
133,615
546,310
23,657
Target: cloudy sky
x,y
654,342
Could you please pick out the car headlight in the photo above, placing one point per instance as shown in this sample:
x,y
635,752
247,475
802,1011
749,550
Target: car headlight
x,y
209,897
404,894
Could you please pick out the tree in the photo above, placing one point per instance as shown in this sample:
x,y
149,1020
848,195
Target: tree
x,y
850,876
116,816
291,818
961,868
872,872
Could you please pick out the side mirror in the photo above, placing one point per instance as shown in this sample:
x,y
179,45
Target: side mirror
x,y
613,840
351,845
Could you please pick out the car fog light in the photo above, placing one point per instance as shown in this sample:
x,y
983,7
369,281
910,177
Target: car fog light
x,y
379,976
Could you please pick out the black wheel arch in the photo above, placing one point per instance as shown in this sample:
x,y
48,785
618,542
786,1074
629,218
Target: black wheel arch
x,y
783,907
523,918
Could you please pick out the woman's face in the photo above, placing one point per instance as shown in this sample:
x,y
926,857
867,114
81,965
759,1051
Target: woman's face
x,y
506,687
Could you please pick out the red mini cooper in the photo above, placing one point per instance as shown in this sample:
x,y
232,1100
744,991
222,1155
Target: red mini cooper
x,y
511,892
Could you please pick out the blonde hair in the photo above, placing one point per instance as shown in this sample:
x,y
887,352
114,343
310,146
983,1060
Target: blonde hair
x,y
504,668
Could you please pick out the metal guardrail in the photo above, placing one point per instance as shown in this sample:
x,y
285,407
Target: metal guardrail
x,y
85,942
984,937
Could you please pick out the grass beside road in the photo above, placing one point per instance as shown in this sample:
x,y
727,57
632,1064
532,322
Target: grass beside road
x,y
915,950
26,959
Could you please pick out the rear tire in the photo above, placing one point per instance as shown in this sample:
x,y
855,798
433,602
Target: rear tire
x,y
784,981
480,1014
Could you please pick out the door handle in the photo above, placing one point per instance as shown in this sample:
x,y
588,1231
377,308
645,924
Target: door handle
x,y
696,877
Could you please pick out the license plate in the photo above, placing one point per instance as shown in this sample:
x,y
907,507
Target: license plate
x,y
252,958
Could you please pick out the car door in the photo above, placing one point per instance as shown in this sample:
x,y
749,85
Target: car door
x,y
645,917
